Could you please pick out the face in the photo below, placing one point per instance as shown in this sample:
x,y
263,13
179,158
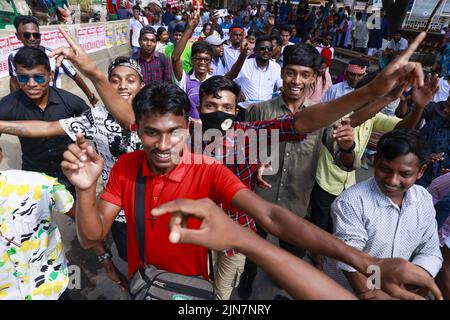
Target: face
x,y
164,36
207,30
396,176
156,18
264,50
177,36
251,41
126,82
32,88
136,13
285,35
322,69
218,50
294,32
327,40
146,11
297,81
148,43
226,103
201,62
29,35
397,37
236,38
353,78
163,138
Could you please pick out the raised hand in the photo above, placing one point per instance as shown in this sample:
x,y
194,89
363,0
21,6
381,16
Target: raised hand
x,y
245,47
400,70
81,164
217,230
75,54
344,134
423,95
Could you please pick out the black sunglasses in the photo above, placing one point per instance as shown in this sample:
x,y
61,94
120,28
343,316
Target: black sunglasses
x,y
27,35
265,48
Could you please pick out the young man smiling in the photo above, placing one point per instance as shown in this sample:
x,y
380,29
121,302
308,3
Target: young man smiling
x,y
388,215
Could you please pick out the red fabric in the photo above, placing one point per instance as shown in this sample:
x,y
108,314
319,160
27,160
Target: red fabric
x,y
327,54
110,6
191,179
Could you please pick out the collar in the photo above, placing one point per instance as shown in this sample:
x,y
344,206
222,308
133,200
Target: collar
x,y
176,174
53,97
283,104
154,55
193,77
384,201
346,86
257,67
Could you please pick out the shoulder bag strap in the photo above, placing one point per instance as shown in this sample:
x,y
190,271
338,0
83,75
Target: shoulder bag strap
x,y
139,213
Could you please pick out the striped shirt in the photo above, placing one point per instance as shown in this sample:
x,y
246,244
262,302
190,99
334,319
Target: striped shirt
x,y
366,219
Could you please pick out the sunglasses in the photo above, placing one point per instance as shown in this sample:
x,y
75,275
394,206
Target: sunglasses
x,y
265,49
25,78
27,35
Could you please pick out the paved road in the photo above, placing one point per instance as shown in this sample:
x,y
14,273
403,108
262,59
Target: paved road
x,y
92,282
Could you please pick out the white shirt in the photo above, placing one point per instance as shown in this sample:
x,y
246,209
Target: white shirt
x,y
398,46
336,91
136,27
259,84
230,55
218,68
443,92
110,139
366,219
183,81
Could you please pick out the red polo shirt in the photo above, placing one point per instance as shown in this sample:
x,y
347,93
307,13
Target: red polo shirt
x,y
195,177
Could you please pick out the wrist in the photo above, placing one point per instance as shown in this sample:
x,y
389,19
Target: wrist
x,y
107,256
348,150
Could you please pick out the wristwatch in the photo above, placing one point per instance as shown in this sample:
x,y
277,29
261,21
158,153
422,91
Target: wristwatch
x,y
349,150
107,255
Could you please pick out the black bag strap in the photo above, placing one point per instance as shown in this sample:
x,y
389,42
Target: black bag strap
x,y
139,213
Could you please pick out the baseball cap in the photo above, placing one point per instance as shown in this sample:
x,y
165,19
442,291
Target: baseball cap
x,y
215,40
126,62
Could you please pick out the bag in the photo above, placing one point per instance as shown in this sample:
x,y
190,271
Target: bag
x,y
150,283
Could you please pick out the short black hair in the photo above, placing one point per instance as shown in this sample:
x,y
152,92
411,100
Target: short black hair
x,y
136,7
359,62
161,98
286,27
24,20
303,55
201,47
398,31
262,39
147,29
401,142
179,28
278,39
215,84
30,58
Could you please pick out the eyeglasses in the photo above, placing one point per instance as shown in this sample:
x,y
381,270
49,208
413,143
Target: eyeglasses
x,y
27,35
200,59
25,78
265,49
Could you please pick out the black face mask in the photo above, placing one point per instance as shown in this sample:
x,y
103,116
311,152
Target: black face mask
x,y
217,120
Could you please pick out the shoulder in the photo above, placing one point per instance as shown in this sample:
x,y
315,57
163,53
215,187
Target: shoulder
x,y
131,159
67,96
357,193
10,98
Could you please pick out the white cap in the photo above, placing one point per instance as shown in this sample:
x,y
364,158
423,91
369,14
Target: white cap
x,y
215,40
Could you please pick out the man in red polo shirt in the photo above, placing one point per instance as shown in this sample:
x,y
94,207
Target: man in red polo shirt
x,y
171,172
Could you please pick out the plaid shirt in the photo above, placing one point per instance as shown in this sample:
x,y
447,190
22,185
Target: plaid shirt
x,y
248,160
152,70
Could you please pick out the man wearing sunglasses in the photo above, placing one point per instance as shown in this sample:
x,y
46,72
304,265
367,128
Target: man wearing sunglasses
x,y
27,31
260,75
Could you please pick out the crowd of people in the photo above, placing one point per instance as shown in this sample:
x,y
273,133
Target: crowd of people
x,y
243,129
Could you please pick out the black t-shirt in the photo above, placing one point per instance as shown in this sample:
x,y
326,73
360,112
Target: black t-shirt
x,y
43,154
